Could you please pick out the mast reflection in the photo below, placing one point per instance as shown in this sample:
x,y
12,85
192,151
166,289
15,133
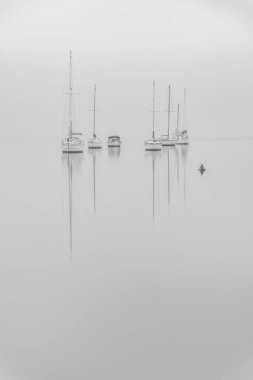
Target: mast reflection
x,y
153,156
169,180
94,153
73,163
171,151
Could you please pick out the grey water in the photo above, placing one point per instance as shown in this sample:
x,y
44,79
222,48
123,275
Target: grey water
x,y
126,264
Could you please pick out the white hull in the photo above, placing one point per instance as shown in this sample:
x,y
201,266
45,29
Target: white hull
x,y
168,142
72,149
74,145
115,144
95,144
183,138
149,145
183,141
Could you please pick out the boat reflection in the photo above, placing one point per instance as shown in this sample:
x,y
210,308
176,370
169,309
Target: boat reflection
x,y
183,151
73,163
114,152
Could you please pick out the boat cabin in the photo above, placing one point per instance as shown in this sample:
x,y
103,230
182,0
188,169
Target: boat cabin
x,y
113,138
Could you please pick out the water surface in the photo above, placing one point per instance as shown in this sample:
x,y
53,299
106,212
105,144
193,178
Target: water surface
x,y
126,264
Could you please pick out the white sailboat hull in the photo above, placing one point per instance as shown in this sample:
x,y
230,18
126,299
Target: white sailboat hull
x,y
169,142
183,138
152,145
72,145
183,141
72,149
114,144
95,144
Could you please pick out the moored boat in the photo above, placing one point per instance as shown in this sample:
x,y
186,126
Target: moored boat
x,y
114,141
73,142
153,143
182,138
94,142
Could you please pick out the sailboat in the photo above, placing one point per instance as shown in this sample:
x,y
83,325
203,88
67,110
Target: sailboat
x,y
182,136
73,143
94,142
153,143
165,139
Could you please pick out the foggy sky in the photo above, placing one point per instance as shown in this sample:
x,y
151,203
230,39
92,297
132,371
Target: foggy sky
x,y
205,46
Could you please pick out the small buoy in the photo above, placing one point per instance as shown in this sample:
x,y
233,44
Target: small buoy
x,y
202,169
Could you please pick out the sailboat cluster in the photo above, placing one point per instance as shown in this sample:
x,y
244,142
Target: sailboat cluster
x,y
178,137
74,141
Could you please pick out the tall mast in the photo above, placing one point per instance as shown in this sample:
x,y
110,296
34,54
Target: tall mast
x,y
169,114
184,126
70,94
153,134
177,118
94,113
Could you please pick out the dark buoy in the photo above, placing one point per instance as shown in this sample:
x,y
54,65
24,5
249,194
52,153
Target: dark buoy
x,y
202,169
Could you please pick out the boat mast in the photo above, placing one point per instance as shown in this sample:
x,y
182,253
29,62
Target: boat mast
x,y
178,118
153,134
94,113
169,114
70,94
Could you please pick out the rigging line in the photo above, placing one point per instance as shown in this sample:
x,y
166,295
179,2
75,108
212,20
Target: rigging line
x,y
173,113
70,96
75,82
153,133
64,112
66,78
94,112
169,102
64,102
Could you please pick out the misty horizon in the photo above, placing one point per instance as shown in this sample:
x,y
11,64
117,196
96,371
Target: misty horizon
x,y
205,47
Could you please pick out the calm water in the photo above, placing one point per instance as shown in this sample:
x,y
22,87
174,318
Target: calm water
x,y
121,264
